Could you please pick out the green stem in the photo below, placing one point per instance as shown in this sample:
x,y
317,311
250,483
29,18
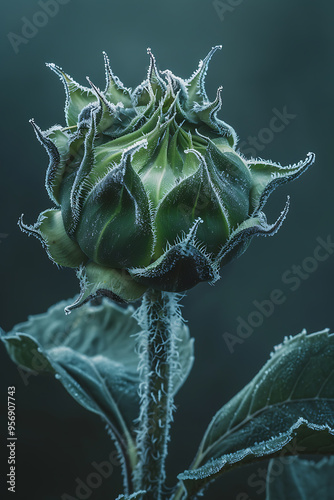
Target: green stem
x,y
157,316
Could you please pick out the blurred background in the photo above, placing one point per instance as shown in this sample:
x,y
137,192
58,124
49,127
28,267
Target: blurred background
x,y
276,59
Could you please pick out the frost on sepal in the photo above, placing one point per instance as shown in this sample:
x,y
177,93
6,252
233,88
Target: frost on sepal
x,y
288,408
77,96
196,83
50,230
115,91
55,142
199,108
77,187
114,228
207,113
152,89
267,176
182,266
245,232
207,194
156,83
100,281
112,118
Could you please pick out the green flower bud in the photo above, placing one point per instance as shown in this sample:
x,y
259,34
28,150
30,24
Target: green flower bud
x,y
150,190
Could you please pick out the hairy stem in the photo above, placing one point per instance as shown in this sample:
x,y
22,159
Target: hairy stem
x,y
158,316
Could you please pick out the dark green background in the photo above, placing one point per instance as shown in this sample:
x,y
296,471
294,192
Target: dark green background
x,y
275,54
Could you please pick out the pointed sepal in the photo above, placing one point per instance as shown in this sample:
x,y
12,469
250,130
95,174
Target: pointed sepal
x,y
115,225
50,230
76,183
244,233
55,142
207,113
111,118
215,192
156,83
182,266
99,281
196,83
267,176
77,96
115,92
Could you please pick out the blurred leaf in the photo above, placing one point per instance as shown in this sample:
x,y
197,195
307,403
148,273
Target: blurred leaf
x,y
92,352
289,406
300,479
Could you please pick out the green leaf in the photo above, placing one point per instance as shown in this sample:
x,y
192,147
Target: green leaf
x,y
299,479
92,352
291,400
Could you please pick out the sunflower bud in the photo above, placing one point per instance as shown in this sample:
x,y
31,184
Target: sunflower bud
x,y
150,190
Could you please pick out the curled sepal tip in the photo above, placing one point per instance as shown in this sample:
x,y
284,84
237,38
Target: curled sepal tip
x,y
50,231
100,281
242,236
156,83
182,266
267,176
55,168
196,83
115,91
77,96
